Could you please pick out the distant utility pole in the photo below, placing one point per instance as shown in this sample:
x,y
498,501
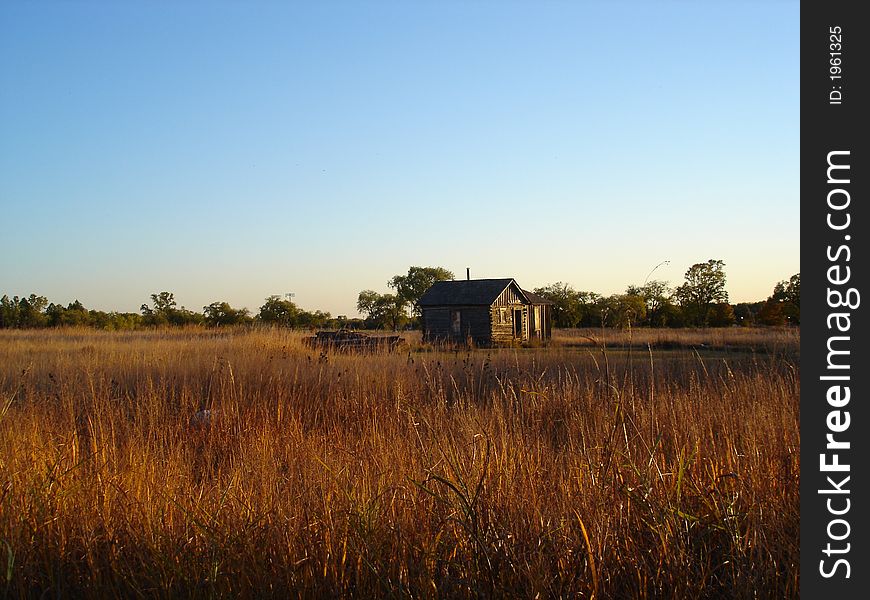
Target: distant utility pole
x,y
290,295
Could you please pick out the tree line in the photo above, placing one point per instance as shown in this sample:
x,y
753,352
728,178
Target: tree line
x,y
700,301
35,311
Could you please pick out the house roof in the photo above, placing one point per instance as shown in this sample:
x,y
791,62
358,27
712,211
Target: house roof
x,y
535,299
472,292
464,292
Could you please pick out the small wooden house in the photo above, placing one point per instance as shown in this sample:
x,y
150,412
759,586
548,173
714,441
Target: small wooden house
x,y
484,311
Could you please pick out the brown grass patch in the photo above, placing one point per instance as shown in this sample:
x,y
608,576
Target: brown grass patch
x,y
564,471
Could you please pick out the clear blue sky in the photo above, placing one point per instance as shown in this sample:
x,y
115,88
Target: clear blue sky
x,y
229,151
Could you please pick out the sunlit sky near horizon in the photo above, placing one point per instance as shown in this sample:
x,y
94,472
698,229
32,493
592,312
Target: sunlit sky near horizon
x,y
231,151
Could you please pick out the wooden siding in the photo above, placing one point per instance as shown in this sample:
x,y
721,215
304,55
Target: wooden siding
x,y
535,322
474,323
539,325
436,323
509,297
501,315
502,318
502,324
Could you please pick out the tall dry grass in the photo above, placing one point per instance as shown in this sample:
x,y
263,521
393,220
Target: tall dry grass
x,y
550,472
785,340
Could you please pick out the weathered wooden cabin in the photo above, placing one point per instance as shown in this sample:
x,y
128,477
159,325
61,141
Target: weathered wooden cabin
x,y
484,311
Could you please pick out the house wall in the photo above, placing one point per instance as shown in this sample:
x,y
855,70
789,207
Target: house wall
x,y
540,326
547,311
535,321
502,319
502,325
509,297
501,315
474,323
436,323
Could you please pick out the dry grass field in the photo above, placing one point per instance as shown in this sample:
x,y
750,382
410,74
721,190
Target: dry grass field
x,y
650,464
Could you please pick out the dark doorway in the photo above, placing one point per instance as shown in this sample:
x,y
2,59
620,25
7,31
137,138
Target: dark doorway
x,y
518,323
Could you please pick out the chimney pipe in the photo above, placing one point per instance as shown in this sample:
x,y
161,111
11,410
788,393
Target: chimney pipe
x,y
468,273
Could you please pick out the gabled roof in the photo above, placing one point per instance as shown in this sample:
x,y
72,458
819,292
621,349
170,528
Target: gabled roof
x,y
465,292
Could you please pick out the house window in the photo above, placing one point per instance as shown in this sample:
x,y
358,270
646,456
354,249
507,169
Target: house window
x,y
455,322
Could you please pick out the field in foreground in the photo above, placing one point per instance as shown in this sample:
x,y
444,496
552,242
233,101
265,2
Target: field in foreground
x,y
569,471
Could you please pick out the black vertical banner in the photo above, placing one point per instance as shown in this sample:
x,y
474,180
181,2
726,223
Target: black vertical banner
x,y
835,369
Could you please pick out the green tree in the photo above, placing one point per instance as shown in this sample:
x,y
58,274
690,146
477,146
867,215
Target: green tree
x,y
721,315
276,311
221,313
9,313
619,310
315,319
630,309
75,314
591,303
164,302
602,312
746,313
115,321
31,311
165,312
771,313
183,316
669,315
367,301
788,293
655,295
571,308
383,311
411,287
704,287
568,305
158,315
